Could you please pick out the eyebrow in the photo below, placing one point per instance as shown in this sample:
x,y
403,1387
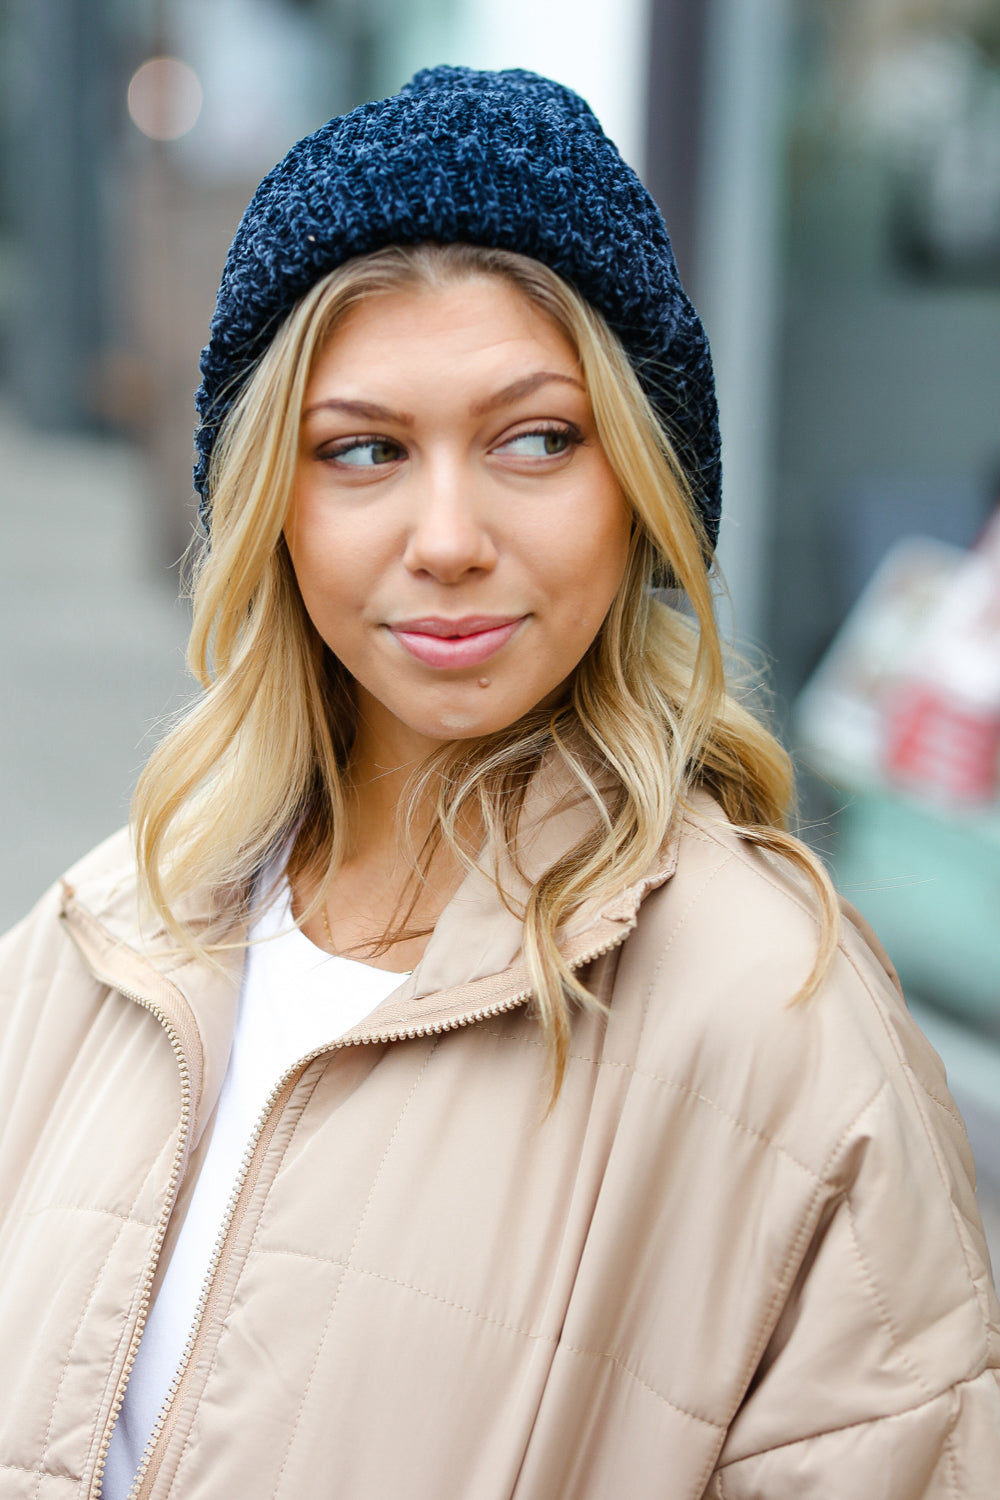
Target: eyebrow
x,y
518,389
372,411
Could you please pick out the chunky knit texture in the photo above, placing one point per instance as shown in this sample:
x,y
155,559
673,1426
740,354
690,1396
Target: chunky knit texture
x,y
501,159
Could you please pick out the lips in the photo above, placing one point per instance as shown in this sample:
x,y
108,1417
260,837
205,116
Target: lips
x,y
455,643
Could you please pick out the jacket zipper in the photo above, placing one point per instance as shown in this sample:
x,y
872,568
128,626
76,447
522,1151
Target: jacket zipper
x,y
176,1168
267,1123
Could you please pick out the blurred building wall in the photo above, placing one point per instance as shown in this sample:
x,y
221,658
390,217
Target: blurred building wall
x,y
113,238
677,71
57,127
736,275
889,399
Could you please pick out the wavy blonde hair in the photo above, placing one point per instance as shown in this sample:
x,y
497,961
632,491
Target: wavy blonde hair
x,y
263,752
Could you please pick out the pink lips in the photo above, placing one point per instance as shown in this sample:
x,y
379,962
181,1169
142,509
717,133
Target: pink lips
x,y
455,643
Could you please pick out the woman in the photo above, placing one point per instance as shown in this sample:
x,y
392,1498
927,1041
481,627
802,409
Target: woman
x,y
483,1096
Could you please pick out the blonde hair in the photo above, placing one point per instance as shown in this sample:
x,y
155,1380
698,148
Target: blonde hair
x,y
263,751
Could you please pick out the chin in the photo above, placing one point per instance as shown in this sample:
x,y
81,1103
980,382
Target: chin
x,y
459,726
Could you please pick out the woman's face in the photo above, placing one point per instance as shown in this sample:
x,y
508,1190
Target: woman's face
x,y
456,530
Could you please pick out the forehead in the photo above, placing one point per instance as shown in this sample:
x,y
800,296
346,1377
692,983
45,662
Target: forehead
x,y
480,320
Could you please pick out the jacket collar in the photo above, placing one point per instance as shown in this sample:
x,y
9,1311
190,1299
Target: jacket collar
x,y
195,1002
472,967
474,958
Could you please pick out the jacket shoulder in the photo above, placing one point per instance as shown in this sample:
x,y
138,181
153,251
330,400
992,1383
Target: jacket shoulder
x,y
104,869
107,868
818,1132
724,950
751,921
37,953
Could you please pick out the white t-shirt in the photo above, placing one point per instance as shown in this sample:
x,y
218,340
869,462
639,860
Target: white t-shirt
x,y
295,998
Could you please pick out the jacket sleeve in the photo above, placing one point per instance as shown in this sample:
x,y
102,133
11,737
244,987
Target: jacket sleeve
x,y
946,1448
880,1378
47,1002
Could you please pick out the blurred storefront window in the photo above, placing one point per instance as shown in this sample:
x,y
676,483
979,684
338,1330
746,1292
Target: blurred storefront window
x,y
889,379
885,589
133,135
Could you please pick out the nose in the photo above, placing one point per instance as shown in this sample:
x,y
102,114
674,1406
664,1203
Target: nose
x,y
449,536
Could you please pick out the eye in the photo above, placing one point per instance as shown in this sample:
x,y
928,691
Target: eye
x,y
543,442
365,453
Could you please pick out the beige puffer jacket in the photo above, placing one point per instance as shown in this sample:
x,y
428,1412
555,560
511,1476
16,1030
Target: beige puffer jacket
x,y
741,1257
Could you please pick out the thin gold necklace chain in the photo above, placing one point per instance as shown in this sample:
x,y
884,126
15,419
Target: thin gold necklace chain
x,y
329,934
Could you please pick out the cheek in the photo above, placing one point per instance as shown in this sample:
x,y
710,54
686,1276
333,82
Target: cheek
x,y
592,554
333,563
324,597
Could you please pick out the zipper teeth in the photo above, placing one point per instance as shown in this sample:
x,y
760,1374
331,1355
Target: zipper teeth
x,y
472,1017
393,1034
145,1294
213,1265
191,1339
409,1034
437,1028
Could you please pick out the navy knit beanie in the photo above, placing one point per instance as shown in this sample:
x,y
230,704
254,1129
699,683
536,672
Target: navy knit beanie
x,y
498,159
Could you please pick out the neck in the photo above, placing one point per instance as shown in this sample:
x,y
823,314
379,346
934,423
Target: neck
x,y
376,891
384,759
382,806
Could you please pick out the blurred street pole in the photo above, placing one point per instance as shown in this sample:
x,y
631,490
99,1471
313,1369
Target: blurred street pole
x,y
59,127
736,278
675,120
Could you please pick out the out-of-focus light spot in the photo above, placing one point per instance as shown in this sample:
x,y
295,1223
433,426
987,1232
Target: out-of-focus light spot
x,y
164,98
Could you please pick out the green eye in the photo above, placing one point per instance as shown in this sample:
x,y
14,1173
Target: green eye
x,y
548,443
368,453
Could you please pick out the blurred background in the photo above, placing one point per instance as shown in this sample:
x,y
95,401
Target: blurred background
x,y
830,173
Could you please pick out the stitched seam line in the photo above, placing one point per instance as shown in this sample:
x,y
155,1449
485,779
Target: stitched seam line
x,y
693,900
350,1256
83,1208
704,838
734,1120
530,1041
884,1316
608,1062
770,1313
99,1276
942,1104
918,1092
193,1424
528,1333
334,1260
683,1088
115,1369
949,1450
41,1472
761,868
620,1364
829,1165
768,1318
682,917
893,1416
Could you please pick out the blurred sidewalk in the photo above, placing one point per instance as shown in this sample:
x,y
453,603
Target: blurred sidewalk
x,y
93,638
